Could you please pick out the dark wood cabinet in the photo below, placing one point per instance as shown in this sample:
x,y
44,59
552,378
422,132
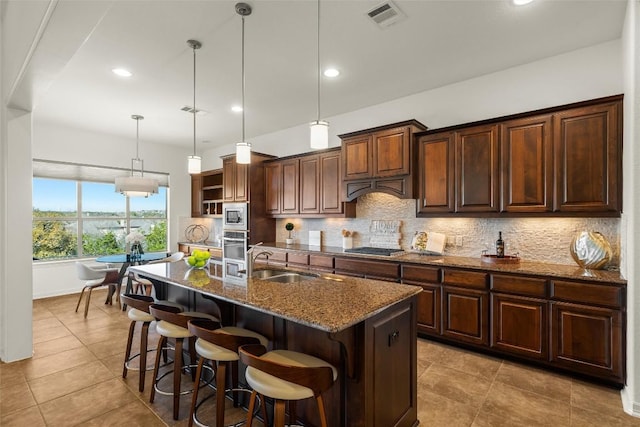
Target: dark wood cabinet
x,y
380,159
307,185
321,263
562,161
238,179
588,150
196,195
429,301
207,193
477,169
465,314
527,164
379,270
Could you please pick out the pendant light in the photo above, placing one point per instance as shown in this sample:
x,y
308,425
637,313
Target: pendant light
x,y
319,128
136,185
194,165
243,148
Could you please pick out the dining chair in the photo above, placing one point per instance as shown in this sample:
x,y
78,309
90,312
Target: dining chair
x,y
138,283
95,278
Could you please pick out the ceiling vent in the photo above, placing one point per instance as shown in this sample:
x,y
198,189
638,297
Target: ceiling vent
x,y
189,109
386,14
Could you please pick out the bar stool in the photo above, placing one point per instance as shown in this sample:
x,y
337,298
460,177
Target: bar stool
x,y
139,312
286,375
172,323
220,344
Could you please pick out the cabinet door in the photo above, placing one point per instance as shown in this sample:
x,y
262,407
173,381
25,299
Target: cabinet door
x,y
272,187
588,144
309,185
588,339
436,179
330,183
228,179
357,157
465,315
391,149
196,195
429,307
520,325
527,165
241,185
290,186
477,180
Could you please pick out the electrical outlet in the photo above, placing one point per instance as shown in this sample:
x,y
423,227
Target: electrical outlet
x,y
458,240
451,241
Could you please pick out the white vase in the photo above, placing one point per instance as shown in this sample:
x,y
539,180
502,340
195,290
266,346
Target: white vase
x,y
347,242
288,241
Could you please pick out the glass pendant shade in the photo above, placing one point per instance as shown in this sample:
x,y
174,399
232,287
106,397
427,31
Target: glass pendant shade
x,y
136,186
319,134
243,153
194,165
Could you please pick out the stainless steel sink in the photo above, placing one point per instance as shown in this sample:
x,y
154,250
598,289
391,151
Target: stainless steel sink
x,y
282,276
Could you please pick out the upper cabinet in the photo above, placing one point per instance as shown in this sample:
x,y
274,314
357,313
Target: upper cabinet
x,y
380,159
207,193
306,186
560,161
238,179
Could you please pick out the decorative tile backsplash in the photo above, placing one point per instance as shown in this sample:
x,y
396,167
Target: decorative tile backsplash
x,y
535,239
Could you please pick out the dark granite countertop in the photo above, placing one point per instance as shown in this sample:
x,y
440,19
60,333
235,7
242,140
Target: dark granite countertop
x,y
523,267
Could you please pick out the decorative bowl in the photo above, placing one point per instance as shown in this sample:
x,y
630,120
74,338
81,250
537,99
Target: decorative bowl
x,y
206,264
591,250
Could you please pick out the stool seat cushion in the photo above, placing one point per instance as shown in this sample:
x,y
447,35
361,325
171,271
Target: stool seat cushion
x,y
169,330
139,315
215,352
277,388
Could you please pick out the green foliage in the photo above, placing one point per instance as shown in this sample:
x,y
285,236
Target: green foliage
x,y
289,226
157,238
105,244
52,240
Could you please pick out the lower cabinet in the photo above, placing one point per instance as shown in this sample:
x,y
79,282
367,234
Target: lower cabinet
x,y
465,315
587,340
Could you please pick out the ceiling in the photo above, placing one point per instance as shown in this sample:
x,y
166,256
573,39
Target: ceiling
x,y
439,43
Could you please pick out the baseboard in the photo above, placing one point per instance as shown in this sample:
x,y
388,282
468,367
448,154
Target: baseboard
x,y
630,407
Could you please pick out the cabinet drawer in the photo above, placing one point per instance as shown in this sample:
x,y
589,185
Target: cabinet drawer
x,y
298,258
420,274
368,268
465,279
588,293
528,286
321,261
278,256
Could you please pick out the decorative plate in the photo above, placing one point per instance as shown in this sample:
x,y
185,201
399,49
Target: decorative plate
x,y
196,233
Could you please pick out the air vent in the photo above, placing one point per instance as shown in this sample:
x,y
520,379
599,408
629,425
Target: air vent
x,y
188,109
386,14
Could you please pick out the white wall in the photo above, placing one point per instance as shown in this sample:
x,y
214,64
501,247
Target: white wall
x,y
51,142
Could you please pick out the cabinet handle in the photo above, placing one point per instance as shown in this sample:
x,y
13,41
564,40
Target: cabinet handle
x,y
393,337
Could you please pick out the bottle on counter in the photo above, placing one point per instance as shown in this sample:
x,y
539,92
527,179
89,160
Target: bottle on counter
x,y
500,246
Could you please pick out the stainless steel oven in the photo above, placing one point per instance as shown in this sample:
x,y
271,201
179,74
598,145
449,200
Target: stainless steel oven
x,y
235,216
234,254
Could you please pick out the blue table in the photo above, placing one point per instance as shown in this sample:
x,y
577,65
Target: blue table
x,y
126,262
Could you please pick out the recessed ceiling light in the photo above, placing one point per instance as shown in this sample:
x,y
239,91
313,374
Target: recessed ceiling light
x,y
331,72
521,2
122,72
236,109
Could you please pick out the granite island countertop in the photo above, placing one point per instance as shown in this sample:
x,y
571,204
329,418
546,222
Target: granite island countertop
x,y
523,267
330,302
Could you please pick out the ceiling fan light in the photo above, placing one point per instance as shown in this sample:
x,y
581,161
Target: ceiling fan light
x,y
243,153
194,164
319,134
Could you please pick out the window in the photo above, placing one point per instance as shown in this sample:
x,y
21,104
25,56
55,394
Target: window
x,y
76,218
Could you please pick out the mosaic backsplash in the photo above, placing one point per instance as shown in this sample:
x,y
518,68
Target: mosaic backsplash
x,y
534,239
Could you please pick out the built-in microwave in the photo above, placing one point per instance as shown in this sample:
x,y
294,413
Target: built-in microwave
x,y
235,216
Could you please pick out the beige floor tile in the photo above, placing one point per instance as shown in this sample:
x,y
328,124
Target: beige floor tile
x,y
15,397
458,386
86,404
587,418
435,410
110,347
54,346
51,333
554,386
68,381
134,414
510,406
26,417
589,396
102,334
12,373
40,367
475,364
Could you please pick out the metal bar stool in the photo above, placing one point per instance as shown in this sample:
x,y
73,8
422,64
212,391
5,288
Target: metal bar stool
x,y
220,345
286,375
172,323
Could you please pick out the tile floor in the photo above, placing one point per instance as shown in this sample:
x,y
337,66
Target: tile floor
x,y
75,378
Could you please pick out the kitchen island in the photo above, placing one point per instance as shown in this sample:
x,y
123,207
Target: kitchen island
x,y
365,328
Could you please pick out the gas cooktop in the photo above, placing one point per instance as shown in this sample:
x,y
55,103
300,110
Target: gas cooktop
x,y
368,250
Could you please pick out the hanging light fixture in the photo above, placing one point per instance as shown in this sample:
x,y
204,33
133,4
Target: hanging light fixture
x,y
136,185
243,148
319,128
194,165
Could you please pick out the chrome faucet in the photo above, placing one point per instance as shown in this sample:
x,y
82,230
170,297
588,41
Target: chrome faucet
x,y
251,258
